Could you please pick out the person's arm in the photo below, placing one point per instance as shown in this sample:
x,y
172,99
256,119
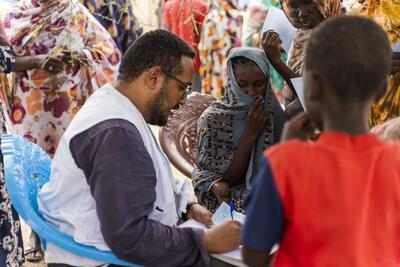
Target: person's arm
x,y
265,222
271,45
255,124
122,181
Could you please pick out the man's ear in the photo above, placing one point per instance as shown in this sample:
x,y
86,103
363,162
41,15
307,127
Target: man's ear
x,y
382,91
154,77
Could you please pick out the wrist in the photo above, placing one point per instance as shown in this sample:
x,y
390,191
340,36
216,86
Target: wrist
x,y
189,210
38,61
249,137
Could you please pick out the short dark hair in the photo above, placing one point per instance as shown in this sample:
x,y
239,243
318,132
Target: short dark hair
x,y
154,48
353,54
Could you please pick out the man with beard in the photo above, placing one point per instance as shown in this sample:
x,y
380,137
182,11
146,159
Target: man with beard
x,y
111,186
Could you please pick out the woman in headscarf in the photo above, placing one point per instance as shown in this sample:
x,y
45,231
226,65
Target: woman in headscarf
x,y
220,33
305,16
43,103
254,18
387,14
117,18
235,130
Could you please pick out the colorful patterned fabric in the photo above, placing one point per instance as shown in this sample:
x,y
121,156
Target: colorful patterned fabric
x,y
44,104
327,8
221,32
11,247
117,18
221,128
252,26
386,13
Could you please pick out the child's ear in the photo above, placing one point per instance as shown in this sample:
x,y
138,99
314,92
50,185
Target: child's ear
x,y
382,91
317,85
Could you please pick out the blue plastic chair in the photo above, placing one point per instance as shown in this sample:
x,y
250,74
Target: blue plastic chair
x,y
27,169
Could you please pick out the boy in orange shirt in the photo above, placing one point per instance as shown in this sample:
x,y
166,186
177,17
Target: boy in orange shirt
x,y
336,201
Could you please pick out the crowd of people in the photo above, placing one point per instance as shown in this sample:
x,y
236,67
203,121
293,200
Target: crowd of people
x,y
81,80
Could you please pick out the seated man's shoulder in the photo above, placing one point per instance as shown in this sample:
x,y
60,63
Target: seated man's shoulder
x,y
112,124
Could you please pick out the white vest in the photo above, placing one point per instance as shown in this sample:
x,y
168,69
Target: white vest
x,y
66,201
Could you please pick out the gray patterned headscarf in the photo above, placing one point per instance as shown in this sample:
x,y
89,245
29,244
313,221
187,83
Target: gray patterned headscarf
x,y
222,126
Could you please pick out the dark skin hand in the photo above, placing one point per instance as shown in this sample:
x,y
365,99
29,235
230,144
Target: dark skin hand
x,y
201,214
395,63
255,124
51,65
300,128
256,121
271,44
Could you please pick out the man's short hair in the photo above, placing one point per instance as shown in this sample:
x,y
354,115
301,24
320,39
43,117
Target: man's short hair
x,y
155,48
353,54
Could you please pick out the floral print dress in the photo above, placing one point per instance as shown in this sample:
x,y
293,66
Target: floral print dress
x,y
11,246
43,104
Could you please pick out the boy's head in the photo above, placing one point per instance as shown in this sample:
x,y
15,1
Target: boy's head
x,y
347,65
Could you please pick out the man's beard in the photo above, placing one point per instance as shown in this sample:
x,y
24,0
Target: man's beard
x,y
156,106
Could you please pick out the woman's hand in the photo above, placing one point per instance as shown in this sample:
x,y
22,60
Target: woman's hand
x,y
256,119
221,191
300,128
201,214
49,64
271,44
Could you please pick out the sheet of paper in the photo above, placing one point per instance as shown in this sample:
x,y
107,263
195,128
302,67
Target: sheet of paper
x,y
223,214
299,87
276,20
193,223
397,48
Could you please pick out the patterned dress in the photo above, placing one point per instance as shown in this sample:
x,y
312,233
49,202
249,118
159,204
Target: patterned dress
x,y
220,33
117,18
221,128
11,246
44,104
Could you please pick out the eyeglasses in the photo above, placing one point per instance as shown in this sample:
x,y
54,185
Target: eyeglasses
x,y
187,87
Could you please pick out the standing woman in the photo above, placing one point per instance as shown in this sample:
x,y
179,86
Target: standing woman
x,y
43,103
117,18
11,245
221,32
305,15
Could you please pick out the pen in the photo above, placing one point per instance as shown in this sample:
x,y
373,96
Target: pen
x,y
232,208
